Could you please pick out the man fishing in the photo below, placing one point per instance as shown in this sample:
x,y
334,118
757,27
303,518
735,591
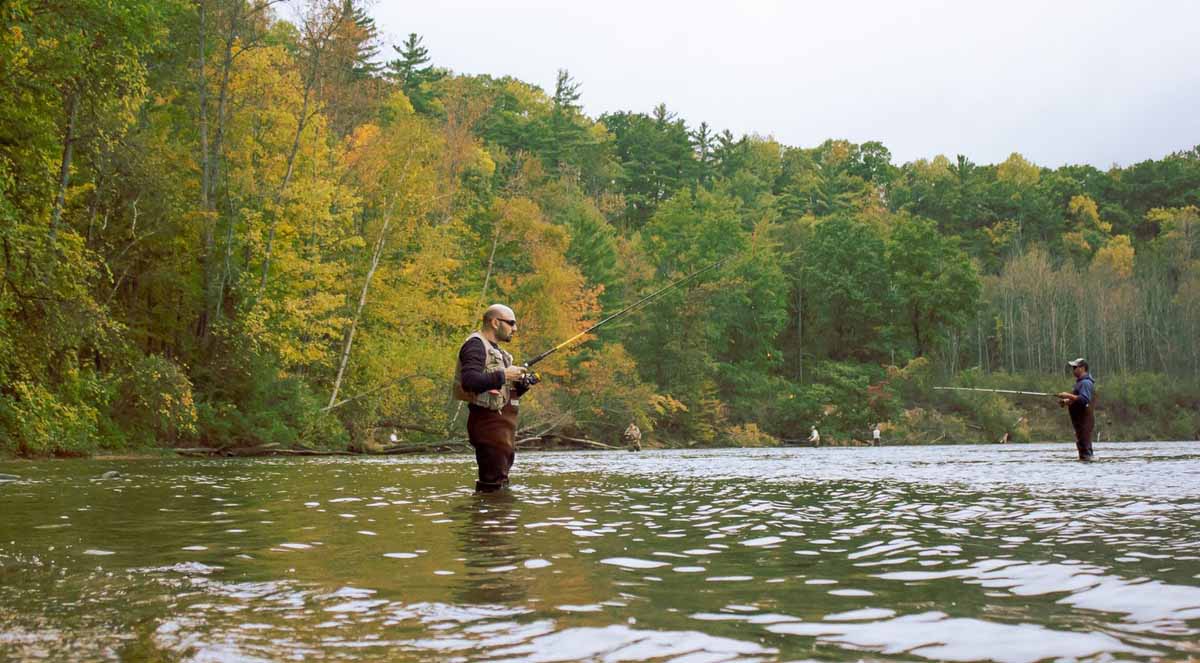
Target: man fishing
x,y
487,380
1079,403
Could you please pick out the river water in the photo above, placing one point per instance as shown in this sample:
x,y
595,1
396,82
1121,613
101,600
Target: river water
x,y
960,553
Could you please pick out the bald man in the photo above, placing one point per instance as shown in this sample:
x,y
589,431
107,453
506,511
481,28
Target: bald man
x,y
487,380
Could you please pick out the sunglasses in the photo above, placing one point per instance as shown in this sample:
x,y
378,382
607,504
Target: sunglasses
x,y
510,323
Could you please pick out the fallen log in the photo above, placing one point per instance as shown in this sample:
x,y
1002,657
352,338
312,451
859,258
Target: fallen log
x,y
198,451
574,440
313,452
418,448
256,452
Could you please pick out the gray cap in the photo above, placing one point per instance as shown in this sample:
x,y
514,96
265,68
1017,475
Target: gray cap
x,y
1080,361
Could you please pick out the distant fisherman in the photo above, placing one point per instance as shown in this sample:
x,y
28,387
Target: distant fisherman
x,y
632,437
486,378
1080,404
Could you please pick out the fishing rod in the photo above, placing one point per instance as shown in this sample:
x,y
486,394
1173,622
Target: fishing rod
x,y
997,391
644,300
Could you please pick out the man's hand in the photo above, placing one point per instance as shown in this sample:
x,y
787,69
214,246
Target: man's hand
x,y
513,373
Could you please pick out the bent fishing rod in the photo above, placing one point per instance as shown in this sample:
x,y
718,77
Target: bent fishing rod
x,y
997,391
632,307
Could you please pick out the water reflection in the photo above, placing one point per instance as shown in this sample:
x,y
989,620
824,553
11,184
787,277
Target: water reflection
x,y
487,526
778,554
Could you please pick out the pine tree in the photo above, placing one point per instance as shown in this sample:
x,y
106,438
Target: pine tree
x,y
413,74
364,65
566,132
703,144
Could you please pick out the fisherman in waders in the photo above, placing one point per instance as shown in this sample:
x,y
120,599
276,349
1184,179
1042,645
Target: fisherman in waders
x,y
1080,404
632,437
487,380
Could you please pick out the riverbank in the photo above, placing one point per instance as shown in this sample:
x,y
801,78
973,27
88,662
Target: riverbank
x,y
1146,406
459,449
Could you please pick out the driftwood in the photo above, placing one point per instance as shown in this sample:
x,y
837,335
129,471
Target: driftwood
x,y
571,440
255,452
311,452
417,448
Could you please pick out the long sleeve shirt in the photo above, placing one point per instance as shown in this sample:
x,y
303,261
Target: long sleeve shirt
x,y
473,358
1084,387
1085,390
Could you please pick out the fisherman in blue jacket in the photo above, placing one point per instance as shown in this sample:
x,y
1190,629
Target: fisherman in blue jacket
x,y
1081,405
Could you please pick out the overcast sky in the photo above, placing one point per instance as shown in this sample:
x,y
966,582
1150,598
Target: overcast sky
x,y
1094,82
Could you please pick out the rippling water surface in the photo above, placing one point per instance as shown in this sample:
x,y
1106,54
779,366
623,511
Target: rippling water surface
x,y
897,553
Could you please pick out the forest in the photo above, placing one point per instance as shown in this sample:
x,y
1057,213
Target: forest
x,y
223,228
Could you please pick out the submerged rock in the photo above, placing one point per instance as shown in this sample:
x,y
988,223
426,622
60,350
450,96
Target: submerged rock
x,y
111,474
9,477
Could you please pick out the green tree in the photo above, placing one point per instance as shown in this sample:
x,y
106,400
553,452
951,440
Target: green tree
x,y
935,284
847,290
415,76
656,160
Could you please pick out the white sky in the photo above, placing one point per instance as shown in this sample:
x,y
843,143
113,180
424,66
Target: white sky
x,y
1060,81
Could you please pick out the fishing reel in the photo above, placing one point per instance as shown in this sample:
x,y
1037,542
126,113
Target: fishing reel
x,y
529,379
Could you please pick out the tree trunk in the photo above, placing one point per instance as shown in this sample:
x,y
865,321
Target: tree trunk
x,y
362,301
491,261
800,328
212,155
915,319
64,171
318,46
205,155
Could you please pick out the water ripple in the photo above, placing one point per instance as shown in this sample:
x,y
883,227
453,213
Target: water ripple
x,y
950,553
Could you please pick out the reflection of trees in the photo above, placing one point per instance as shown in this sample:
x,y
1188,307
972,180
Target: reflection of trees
x,y
487,530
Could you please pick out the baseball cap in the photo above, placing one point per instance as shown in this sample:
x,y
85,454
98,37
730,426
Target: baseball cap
x,y
1080,361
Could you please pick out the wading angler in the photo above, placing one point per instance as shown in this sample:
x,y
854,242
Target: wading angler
x,y
486,378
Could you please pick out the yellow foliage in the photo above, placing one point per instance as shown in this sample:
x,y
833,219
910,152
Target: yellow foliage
x,y
1084,211
666,405
1075,242
749,435
1086,215
551,295
1001,233
1116,257
1178,231
1016,170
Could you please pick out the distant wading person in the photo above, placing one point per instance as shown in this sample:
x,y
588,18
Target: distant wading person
x,y
1080,405
632,437
487,380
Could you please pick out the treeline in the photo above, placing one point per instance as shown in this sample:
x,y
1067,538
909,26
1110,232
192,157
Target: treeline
x,y
221,228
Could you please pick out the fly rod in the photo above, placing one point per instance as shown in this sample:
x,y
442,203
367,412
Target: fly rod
x,y
997,391
644,300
